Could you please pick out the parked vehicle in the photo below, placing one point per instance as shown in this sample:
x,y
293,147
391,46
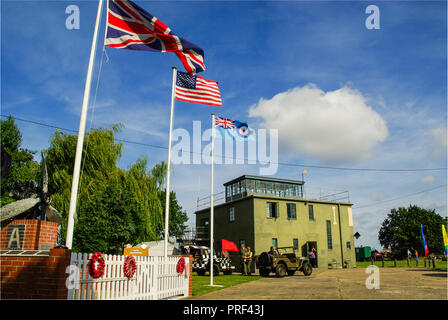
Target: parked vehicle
x,y
363,253
201,260
282,262
377,255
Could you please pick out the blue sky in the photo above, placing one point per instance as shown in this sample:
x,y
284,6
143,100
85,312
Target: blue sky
x,y
339,94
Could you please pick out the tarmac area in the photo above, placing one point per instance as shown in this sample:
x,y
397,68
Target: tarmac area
x,y
335,284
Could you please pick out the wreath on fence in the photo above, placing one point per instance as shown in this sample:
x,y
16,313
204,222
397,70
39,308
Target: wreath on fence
x,y
129,267
180,266
94,271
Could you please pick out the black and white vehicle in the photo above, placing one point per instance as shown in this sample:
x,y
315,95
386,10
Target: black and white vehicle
x,y
201,260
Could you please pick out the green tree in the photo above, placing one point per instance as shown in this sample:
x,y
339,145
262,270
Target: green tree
x,y
401,230
177,218
115,207
23,167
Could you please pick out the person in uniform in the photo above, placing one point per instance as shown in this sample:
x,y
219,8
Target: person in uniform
x,y
243,251
248,261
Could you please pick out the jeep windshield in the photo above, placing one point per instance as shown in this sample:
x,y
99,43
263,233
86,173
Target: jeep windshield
x,y
283,250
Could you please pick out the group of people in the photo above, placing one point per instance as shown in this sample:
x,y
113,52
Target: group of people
x,y
246,256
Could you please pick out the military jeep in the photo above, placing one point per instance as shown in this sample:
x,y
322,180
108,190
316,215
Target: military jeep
x,y
282,262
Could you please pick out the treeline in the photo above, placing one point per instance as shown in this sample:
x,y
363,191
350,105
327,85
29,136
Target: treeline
x,y
115,206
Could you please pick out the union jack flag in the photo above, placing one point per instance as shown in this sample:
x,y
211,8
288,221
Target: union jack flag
x,y
131,27
224,123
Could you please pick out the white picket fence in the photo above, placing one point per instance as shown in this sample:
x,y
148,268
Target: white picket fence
x,y
154,279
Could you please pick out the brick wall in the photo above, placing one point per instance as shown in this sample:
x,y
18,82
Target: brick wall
x,y
33,277
190,275
36,233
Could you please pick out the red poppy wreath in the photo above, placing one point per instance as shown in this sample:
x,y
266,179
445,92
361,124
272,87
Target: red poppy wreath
x,y
96,265
129,267
180,266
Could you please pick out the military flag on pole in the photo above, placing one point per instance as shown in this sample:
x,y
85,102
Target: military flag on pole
x,y
233,129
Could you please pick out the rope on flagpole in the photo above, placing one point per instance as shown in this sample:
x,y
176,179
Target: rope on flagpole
x,y
92,115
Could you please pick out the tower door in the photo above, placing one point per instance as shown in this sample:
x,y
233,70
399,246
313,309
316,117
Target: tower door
x,y
307,247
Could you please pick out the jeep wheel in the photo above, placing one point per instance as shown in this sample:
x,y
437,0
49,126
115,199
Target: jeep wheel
x,y
291,272
264,272
280,270
307,269
264,259
201,272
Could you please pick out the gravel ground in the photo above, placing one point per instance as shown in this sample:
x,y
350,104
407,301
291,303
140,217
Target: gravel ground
x,y
395,283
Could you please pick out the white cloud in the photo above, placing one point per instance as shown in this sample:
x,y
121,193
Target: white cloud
x,y
332,126
428,180
438,142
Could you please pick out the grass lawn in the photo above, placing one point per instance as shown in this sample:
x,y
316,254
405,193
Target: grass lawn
x,y
402,264
200,282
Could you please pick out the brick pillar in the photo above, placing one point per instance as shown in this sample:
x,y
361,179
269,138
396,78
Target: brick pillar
x,y
34,234
35,277
190,274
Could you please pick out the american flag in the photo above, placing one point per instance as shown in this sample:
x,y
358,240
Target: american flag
x,y
131,27
196,89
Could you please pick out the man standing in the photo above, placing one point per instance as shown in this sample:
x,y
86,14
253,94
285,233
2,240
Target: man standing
x,y
416,258
409,258
248,261
243,252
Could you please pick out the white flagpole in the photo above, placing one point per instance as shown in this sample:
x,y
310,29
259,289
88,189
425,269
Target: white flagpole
x,y
212,204
81,132
167,196
212,201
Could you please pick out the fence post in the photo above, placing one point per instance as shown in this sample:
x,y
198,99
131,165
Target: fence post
x,y
189,291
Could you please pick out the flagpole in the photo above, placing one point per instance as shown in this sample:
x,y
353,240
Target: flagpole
x,y
81,132
167,195
212,204
212,200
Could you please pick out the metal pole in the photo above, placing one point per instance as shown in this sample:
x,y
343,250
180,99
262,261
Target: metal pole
x,y
167,195
340,235
81,132
211,200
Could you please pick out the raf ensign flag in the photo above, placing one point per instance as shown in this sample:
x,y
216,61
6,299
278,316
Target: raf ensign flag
x,y
131,27
233,129
196,89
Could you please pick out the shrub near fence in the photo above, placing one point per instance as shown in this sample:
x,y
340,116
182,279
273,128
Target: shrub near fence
x,y
155,278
